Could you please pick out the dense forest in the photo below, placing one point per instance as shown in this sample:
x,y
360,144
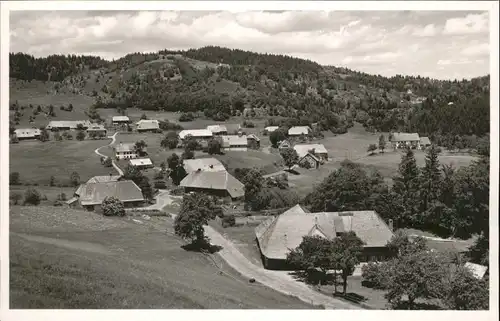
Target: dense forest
x,y
220,83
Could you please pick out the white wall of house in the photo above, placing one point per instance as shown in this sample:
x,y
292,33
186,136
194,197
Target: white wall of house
x,y
125,155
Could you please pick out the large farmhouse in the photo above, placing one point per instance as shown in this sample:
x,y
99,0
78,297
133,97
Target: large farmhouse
x,y
203,164
318,150
201,135
404,140
27,133
148,125
141,163
299,131
277,235
120,120
91,195
221,184
125,151
67,124
96,130
235,142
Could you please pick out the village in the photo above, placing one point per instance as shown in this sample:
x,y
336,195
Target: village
x,y
274,231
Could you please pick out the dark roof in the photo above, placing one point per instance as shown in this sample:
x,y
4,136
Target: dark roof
x,y
220,180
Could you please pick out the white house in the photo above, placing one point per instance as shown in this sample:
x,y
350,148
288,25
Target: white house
x,y
67,124
235,142
271,129
118,120
199,134
403,140
299,130
318,150
27,133
141,163
125,151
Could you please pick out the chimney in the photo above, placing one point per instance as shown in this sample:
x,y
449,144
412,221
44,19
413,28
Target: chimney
x,y
391,225
199,170
211,166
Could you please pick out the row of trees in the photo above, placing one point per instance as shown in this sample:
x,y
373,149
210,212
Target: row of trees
x,y
437,198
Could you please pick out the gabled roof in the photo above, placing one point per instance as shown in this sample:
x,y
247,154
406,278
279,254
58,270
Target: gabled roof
x,y
234,140
284,144
98,179
120,148
217,128
253,136
205,164
299,130
148,124
120,118
221,180
309,155
303,149
425,141
96,127
95,193
405,137
195,133
279,234
477,270
67,123
141,162
27,132
270,129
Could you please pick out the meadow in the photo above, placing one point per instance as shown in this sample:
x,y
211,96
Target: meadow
x,y
36,162
63,258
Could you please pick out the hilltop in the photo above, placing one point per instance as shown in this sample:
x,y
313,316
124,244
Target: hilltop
x,y
218,83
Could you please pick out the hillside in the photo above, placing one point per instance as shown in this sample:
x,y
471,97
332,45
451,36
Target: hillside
x,y
220,83
63,258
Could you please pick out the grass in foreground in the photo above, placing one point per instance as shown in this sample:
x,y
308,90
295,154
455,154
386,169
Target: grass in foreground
x,y
65,258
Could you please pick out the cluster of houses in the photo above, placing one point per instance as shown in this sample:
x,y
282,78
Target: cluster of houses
x,y
237,142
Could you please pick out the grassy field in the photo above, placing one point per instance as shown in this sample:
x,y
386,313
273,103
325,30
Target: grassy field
x,y
37,161
63,258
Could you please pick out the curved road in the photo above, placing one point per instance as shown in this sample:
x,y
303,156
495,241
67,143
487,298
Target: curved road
x,y
120,172
276,280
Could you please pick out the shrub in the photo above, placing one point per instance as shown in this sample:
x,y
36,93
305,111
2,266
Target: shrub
x,y
228,220
186,117
32,197
58,203
80,135
107,162
15,198
372,274
248,124
61,197
14,178
111,206
160,184
52,181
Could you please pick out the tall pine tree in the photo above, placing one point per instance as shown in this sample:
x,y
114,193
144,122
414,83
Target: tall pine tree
x,y
406,188
430,182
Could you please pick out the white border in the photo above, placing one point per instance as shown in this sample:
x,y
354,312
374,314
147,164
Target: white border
x,y
235,6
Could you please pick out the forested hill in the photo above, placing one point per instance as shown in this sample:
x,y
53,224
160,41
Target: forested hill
x,y
222,82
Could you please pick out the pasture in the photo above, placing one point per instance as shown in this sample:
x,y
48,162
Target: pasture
x,y
37,162
62,258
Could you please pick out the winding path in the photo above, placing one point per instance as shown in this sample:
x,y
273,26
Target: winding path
x,y
120,172
279,281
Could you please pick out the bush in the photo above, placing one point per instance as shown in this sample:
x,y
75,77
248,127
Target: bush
x,y
15,198
58,203
14,178
372,274
186,117
32,197
248,124
111,206
228,220
160,184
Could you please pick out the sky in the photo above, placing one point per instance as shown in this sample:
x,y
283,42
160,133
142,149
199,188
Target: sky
x,y
436,44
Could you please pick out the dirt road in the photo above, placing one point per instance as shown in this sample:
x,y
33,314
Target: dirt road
x,y
120,172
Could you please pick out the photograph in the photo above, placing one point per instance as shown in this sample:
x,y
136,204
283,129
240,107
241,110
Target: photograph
x,y
248,159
